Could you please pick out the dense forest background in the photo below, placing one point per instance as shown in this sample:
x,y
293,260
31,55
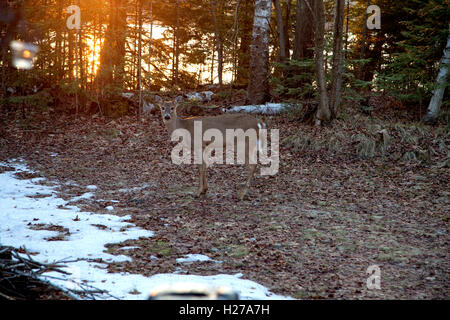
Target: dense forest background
x,y
174,46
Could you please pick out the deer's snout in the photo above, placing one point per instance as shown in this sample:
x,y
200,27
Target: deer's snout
x,y
167,117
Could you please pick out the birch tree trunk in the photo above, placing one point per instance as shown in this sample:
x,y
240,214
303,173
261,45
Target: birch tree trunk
x,y
336,86
323,110
438,94
258,87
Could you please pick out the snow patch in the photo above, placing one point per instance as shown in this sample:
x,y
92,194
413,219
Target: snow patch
x,y
87,195
200,96
83,248
147,107
127,95
195,258
268,108
129,248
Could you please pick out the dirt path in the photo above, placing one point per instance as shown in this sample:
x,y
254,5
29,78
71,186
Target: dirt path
x,y
311,231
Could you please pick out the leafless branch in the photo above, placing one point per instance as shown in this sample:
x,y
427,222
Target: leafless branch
x,y
20,266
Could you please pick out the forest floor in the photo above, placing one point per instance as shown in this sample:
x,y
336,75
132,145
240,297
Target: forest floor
x,y
346,197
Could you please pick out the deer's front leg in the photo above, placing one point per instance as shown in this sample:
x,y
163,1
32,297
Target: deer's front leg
x,y
202,180
205,183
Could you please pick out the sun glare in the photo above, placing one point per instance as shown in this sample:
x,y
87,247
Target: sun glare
x,y
93,57
94,47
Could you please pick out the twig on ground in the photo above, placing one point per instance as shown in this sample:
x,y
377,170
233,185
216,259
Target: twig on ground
x,y
21,267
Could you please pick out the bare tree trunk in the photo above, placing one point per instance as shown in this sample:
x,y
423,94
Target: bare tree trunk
x,y
287,27
64,46
177,45
92,66
304,35
362,54
120,40
70,40
150,50
82,62
133,70
281,31
58,37
347,25
336,86
219,43
245,34
438,94
213,57
139,67
174,53
258,87
112,55
323,110
235,40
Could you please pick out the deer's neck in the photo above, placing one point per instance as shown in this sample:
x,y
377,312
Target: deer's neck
x,y
176,123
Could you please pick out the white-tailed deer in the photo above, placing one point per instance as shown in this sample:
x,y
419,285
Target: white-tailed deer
x,y
221,123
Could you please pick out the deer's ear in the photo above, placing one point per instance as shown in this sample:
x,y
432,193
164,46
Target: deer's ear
x,y
158,99
179,100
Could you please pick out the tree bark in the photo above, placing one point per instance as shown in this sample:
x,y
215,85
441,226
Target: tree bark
x,y
177,45
58,42
245,34
438,94
139,64
219,43
336,86
150,49
347,25
304,35
213,56
235,40
287,27
112,55
258,87
323,110
71,59
362,53
281,31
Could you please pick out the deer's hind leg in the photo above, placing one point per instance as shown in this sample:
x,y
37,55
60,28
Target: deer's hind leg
x,y
251,161
203,185
251,173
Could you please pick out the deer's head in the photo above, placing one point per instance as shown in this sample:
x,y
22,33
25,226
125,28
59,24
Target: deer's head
x,y
168,108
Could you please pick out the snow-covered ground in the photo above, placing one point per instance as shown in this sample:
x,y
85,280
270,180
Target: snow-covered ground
x,y
27,208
